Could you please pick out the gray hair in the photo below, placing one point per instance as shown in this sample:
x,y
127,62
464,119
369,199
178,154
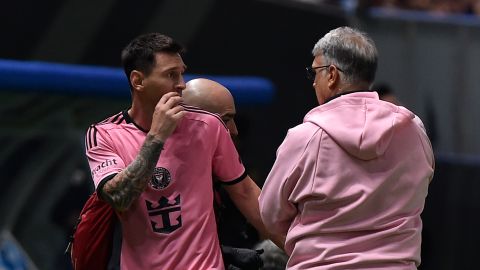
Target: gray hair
x,y
350,50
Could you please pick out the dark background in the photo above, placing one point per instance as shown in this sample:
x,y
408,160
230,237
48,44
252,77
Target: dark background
x,y
44,177
233,38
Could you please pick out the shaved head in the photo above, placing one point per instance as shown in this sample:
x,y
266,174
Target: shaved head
x,y
213,97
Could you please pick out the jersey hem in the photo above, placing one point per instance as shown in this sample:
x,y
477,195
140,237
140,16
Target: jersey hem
x,y
102,183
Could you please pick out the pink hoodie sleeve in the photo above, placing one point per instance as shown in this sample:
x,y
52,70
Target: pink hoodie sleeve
x,y
277,209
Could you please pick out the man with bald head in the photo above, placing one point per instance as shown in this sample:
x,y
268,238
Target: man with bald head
x,y
232,227
213,97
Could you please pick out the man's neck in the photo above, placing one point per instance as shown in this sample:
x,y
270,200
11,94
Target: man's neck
x,y
345,88
141,115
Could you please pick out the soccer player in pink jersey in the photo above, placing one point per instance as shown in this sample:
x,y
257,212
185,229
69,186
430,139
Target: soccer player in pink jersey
x,y
153,163
349,183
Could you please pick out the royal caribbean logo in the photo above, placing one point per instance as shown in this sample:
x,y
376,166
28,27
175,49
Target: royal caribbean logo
x,y
165,215
161,178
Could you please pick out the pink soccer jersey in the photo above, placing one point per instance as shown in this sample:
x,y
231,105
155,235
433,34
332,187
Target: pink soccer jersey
x,y
172,224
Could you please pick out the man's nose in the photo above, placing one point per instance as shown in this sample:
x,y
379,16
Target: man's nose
x,y
180,85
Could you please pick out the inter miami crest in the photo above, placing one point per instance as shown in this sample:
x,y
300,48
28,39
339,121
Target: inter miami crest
x,y
161,178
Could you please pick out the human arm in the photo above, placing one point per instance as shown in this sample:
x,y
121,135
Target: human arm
x,y
127,185
290,177
245,196
242,190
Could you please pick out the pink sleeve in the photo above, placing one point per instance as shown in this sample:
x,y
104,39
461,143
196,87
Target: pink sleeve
x,y
227,164
290,174
102,157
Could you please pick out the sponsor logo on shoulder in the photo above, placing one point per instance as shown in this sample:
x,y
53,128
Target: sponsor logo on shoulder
x,y
104,165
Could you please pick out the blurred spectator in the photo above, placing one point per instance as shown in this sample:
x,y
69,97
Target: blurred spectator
x,y
436,6
474,7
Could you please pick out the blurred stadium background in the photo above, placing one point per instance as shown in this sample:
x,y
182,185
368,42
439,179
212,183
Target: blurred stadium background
x,y
59,72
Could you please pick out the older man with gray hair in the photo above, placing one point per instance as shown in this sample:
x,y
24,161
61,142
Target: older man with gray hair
x,y
349,183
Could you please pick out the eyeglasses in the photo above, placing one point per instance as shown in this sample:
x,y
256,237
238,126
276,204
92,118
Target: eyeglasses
x,y
311,71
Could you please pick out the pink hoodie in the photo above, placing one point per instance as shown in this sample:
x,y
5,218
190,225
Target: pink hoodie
x,y
349,185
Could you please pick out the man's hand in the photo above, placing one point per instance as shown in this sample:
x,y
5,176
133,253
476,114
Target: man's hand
x,y
167,114
126,186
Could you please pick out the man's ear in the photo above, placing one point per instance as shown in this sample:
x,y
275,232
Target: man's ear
x,y
136,80
333,77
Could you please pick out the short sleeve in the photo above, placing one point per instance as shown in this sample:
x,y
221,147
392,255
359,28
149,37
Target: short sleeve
x,y
102,158
227,164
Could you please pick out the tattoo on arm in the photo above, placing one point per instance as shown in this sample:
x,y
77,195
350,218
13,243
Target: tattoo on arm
x,y
127,186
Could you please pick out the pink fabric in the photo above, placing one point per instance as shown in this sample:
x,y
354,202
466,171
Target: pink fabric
x,y
170,227
349,185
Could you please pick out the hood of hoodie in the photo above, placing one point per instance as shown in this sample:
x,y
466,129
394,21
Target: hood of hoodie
x,y
360,123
